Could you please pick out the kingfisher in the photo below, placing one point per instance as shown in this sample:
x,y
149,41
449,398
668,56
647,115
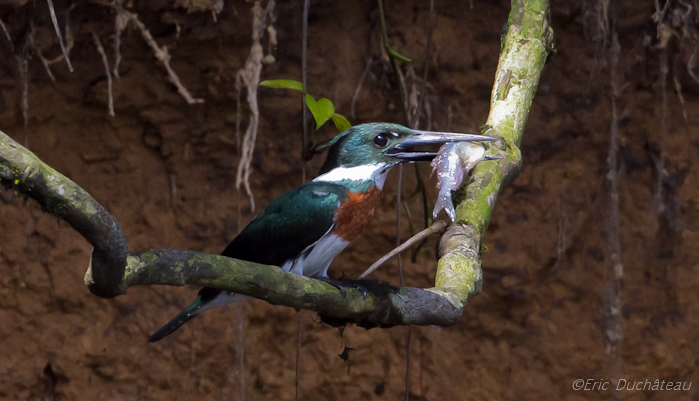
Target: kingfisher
x,y
304,229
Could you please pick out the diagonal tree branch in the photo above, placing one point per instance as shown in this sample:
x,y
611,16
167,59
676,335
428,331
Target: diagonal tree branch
x,y
111,272
525,46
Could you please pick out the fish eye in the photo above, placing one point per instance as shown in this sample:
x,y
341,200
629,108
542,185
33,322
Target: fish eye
x,y
380,140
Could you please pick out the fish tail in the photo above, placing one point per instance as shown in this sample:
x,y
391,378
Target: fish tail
x,y
445,203
183,317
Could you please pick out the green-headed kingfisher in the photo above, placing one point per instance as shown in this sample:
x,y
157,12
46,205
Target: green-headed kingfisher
x,y
304,229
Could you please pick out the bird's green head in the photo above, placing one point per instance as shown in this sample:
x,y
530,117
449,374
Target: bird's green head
x,y
387,144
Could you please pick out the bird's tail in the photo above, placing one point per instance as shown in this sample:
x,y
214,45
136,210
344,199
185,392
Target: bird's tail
x,y
183,317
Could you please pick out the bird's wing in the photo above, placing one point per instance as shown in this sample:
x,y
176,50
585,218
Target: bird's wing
x,y
280,232
289,224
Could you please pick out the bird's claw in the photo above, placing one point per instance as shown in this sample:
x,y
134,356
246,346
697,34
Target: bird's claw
x,y
344,283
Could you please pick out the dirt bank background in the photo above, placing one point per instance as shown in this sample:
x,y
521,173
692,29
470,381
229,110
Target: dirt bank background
x,y
166,172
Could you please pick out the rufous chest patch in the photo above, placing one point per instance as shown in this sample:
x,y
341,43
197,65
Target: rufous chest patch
x,y
356,212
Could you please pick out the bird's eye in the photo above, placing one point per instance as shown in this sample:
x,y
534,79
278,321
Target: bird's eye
x,y
380,140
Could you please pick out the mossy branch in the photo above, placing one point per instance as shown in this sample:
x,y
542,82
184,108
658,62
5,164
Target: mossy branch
x,y
22,171
383,306
112,271
525,46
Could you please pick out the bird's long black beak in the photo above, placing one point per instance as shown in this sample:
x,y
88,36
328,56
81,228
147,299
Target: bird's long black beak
x,y
424,145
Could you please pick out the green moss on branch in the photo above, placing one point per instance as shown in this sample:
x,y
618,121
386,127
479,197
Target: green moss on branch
x,y
525,46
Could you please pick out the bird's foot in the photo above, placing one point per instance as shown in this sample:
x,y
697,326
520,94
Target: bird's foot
x,y
343,283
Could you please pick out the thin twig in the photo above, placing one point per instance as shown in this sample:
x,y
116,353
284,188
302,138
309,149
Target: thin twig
x,y
418,112
7,35
23,66
399,84
240,315
358,90
238,147
304,141
404,94
46,63
100,50
298,355
69,43
240,346
398,205
426,65
58,33
562,245
394,66
407,363
396,76
304,62
660,160
162,55
436,227
614,329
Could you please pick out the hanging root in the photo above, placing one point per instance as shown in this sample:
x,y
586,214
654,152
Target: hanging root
x,y
121,20
100,50
677,21
161,53
66,47
250,77
58,33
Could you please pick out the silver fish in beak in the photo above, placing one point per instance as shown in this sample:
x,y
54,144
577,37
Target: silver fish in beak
x,y
453,162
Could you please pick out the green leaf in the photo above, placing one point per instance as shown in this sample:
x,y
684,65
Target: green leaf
x,y
399,56
322,110
284,84
341,122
